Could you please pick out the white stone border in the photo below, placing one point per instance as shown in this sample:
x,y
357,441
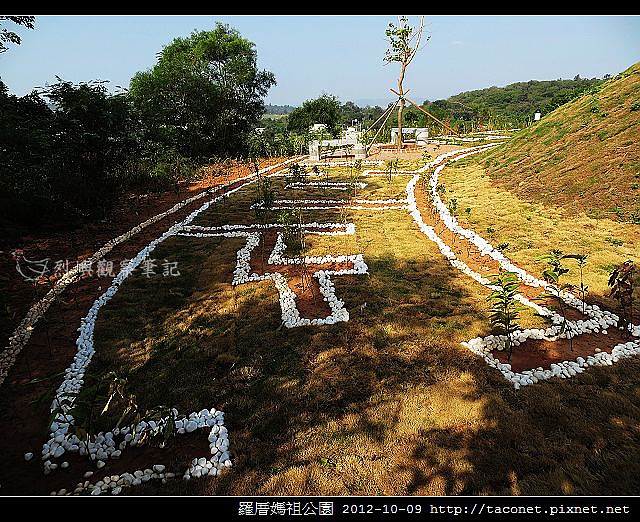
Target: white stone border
x,y
334,185
330,203
599,320
331,164
349,228
22,333
103,446
347,207
290,314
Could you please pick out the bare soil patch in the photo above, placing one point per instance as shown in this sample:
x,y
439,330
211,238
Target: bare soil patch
x,y
27,391
532,353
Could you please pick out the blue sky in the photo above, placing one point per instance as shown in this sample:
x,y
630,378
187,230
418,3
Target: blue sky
x,y
340,55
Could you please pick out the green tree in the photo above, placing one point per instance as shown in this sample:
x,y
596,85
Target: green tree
x,y
350,111
552,275
204,95
505,310
7,36
583,289
325,109
404,43
68,158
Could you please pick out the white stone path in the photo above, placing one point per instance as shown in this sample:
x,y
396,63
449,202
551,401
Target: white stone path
x,y
598,320
104,445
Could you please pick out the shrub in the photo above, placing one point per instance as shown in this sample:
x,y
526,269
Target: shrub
x,y
505,310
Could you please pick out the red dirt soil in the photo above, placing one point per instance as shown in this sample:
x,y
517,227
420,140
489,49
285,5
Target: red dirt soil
x,y
532,353
536,353
309,300
26,392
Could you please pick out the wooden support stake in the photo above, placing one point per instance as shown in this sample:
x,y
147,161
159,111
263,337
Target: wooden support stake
x,y
390,108
382,126
403,95
431,116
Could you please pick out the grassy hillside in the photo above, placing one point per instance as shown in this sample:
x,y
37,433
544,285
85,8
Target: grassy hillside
x,y
584,156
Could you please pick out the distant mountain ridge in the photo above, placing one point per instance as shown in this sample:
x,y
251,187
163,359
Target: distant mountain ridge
x,y
519,101
508,106
278,109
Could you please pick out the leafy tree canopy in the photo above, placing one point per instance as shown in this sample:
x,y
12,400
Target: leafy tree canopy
x,y
68,156
325,109
204,95
7,36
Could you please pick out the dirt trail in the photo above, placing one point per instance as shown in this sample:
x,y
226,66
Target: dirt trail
x,y
532,353
38,370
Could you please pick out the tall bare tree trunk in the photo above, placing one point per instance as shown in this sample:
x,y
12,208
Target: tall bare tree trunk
x,y
400,107
405,43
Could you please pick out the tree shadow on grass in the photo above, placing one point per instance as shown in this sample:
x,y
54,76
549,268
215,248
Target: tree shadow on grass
x,y
387,403
574,436
315,401
474,433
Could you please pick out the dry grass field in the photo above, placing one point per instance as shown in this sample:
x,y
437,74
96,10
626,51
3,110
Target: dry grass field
x,y
389,402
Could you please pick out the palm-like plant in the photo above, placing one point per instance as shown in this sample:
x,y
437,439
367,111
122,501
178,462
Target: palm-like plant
x,y
552,275
505,310
583,289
